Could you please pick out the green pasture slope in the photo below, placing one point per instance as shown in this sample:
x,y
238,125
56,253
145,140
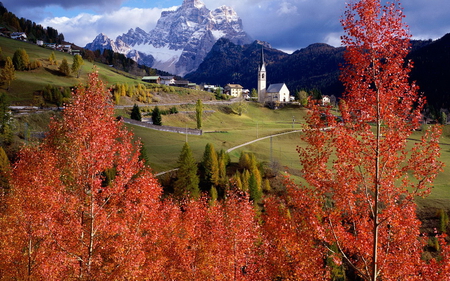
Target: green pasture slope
x,y
28,82
163,148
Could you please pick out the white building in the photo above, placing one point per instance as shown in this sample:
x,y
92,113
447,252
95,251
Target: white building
x,y
234,90
275,92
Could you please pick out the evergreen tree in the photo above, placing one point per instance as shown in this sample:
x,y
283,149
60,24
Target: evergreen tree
x,y
8,73
187,178
52,58
5,169
210,165
21,60
156,116
222,169
199,113
64,67
253,188
76,64
4,113
143,155
136,113
443,118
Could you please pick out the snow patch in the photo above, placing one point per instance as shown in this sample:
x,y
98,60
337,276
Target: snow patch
x,y
218,34
163,54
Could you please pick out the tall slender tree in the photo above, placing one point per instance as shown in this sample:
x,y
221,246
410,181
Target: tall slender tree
x,y
8,73
187,181
210,166
77,64
156,116
366,199
199,113
82,202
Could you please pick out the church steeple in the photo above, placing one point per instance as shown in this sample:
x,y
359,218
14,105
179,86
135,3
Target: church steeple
x,y
262,78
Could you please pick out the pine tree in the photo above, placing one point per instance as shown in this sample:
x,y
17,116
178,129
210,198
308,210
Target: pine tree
x,y
64,67
199,113
156,116
210,165
52,58
21,60
136,113
187,181
8,73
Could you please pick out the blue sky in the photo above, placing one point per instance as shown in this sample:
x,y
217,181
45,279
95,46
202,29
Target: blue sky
x,y
286,24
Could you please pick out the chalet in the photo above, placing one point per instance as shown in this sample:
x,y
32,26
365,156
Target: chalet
x,y
326,100
152,79
19,36
167,80
234,90
181,83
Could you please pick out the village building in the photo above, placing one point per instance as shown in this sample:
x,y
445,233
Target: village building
x,y
275,92
19,36
152,79
234,90
167,80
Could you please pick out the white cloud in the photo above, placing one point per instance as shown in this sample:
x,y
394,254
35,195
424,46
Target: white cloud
x,y
287,8
83,28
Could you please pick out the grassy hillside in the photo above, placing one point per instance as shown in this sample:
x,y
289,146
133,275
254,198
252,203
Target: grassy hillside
x,y
28,82
224,130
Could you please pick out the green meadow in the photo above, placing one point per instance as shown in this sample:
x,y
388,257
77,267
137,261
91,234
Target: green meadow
x,y
226,130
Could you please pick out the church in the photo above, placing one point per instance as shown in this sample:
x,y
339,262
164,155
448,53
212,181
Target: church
x,y
275,92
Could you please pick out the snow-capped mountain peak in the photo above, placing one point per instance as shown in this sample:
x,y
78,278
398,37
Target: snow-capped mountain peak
x,y
181,39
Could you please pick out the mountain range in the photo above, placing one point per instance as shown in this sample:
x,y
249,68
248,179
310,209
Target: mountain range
x,y
317,67
181,39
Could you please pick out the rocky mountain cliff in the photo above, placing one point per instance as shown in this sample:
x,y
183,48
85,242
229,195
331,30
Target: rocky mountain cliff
x,y
181,39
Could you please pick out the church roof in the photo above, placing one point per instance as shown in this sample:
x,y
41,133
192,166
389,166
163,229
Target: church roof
x,y
275,88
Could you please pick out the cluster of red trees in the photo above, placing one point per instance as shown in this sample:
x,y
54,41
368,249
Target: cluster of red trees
x,y
81,205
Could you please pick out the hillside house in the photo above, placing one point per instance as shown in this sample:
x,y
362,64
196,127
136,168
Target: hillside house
x,y
19,36
167,80
234,90
152,79
326,100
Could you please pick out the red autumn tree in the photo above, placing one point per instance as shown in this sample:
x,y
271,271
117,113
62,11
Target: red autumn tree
x,y
213,242
364,173
291,247
82,205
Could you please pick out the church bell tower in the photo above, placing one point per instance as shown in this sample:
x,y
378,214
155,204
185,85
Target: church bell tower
x,y
262,79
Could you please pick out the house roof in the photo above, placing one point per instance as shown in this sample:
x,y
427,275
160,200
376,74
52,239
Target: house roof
x,y
150,78
275,88
234,86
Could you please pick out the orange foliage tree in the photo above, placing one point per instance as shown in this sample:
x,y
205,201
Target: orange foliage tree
x,y
81,204
363,172
212,242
